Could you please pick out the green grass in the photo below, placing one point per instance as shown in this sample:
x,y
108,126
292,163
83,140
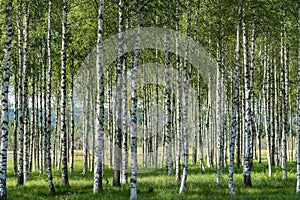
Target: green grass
x,y
200,185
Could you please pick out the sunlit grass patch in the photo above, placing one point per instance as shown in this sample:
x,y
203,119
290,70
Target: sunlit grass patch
x,y
158,185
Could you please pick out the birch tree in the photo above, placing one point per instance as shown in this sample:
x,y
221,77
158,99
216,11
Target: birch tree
x,y
100,103
86,151
48,110
267,108
72,118
118,128
134,99
20,88
4,101
298,134
124,175
285,111
200,132
64,151
179,100
247,117
167,99
185,106
235,105
23,135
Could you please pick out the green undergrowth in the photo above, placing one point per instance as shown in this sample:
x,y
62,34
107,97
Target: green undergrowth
x,y
158,185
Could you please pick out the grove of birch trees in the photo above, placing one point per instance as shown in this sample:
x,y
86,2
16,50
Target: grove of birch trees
x,y
217,86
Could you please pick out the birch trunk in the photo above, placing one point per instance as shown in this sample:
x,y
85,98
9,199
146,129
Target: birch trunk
x,y
200,132
179,100
64,151
4,101
251,85
247,117
20,89
219,111
144,119
16,120
25,93
298,134
100,104
124,176
118,128
72,119
45,108
195,133
110,120
167,99
267,109
157,107
185,107
284,108
41,130
285,112
235,107
33,122
134,99
87,123
49,104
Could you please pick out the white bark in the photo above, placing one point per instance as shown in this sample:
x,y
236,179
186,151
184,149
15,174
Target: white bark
x,y
185,108
118,128
48,110
234,108
298,134
167,107
20,152
64,151
267,109
219,120
4,101
247,116
100,104
25,94
179,100
134,98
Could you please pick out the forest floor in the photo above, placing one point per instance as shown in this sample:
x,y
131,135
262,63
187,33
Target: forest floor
x,y
158,185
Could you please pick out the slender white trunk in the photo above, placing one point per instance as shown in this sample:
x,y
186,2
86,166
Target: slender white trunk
x,y
100,104
118,110
167,108
87,122
298,134
285,113
267,109
251,87
124,176
200,132
157,107
20,180
25,94
48,110
134,98
64,151
179,100
185,107
247,116
234,107
72,131
219,120
4,101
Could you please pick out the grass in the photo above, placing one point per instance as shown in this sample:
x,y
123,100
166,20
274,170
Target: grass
x,y
200,185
